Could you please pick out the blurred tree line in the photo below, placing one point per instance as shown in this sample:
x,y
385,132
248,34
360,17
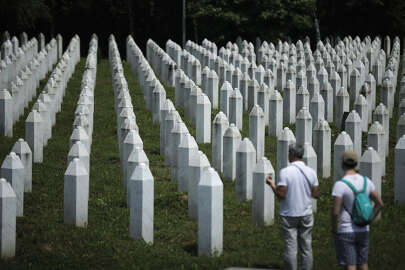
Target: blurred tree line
x,y
217,20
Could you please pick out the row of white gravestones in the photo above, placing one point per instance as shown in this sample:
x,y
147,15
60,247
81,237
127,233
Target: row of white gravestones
x,y
161,62
324,100
12,64
360,106
351,139
15,180
353,129
173,133
236,75
187,93
8,211
7,45
197,161
137,177
191,66
38,125
370,162
192,169
179,150
258,95
16,94
332,81
12,169
277,58
239,163
221,124
354,126
77,174
332,57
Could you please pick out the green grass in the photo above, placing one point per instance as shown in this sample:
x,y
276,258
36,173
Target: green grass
x,y
44,242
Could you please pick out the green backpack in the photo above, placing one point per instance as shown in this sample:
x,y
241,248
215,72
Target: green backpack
x,y
362,211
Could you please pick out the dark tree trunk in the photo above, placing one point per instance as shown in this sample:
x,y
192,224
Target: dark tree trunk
x,y
195,27
130,18
317,31
52,30
184,24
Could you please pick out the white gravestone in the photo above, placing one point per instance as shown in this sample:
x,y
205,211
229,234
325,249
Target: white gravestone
x,y
342,105
245,163
304,126
263,197
256,130
136,157
213,89
6,114
342,143
375,139
131,141
232,138
203,119
311,160
23,151
353,128
219,126
13,171
289,103
187,149
78,150
317,108
286,138
198,163
322,146
226,91
370,166
141,204
8,204
399,183
236,109
76,194
275,114
210,214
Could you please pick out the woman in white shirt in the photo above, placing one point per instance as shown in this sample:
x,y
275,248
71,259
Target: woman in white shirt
x,y
351,241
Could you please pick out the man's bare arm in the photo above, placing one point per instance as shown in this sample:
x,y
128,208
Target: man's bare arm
x,y
337,205
315,192
280,191
378,203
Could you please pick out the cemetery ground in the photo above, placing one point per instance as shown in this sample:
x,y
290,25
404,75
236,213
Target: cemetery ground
x,y
44,242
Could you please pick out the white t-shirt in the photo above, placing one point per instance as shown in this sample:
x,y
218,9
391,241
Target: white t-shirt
x,y
298,201
342,190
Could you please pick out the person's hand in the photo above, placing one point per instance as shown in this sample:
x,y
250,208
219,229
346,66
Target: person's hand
x,y
269,181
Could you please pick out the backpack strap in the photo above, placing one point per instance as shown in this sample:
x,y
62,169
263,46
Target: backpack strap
x,y
365,184
354,190
305,176
350,185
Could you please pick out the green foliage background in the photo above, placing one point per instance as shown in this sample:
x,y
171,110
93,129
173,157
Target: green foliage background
x,y
217,20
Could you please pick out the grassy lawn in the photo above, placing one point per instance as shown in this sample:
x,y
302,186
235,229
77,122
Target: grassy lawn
x,y
44,242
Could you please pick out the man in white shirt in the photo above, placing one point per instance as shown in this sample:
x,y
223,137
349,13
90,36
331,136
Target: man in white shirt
x,y
296,187
351,241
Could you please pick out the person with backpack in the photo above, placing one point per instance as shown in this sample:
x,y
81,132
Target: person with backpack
x,y
297,185
352,212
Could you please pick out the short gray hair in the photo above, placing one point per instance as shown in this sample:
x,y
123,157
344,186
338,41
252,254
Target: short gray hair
x,y
297,150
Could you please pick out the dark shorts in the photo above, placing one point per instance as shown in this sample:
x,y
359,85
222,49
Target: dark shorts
x,y
351,248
